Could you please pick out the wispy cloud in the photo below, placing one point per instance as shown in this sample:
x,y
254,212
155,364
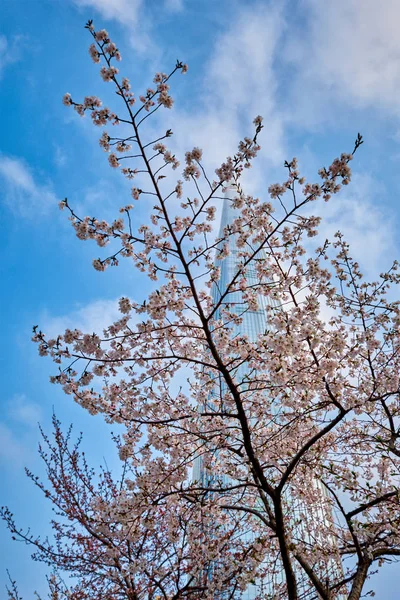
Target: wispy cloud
x,y
243,81
128,13
21,191
359,214
10,51
123,11
174,5
93,317
60,157
350,51
12,450
23,411
239,83
17,427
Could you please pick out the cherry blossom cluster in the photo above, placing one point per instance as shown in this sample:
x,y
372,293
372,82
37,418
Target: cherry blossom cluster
x,y
140,550
192,160
100,116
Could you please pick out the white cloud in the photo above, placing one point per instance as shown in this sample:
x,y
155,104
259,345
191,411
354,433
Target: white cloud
x,y
21,410
240,76
94,317
239,84
128,13
21,192
351,50
365,226
10,51
19,422
241,66
60,157
174,5
12,449
123,11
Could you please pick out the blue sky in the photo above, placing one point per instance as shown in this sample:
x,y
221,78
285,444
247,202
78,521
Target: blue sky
x,y
318,73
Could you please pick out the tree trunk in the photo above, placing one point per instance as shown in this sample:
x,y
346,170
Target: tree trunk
x,y
359,580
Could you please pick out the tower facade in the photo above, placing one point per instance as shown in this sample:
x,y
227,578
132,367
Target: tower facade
x,y
252,324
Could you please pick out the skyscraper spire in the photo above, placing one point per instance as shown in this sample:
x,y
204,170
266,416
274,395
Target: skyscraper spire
x,y
253,322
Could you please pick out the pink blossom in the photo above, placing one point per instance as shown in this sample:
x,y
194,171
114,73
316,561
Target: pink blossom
x,y
80,109
108,73
113,118
170,158
276,190
159,147
104,141
124,305
148,103
91,102
211,210
129,173
113,160
178,189
110,48
226,171
160,77
165,99
191,171
135,193
196,154
123,146
94,53
99,265
67,100
101,36
100,117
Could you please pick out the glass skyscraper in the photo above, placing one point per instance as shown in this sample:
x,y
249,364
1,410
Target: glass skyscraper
x,y
253,323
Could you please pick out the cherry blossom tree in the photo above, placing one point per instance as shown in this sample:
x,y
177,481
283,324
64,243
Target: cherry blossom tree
x,y
298,429
116,542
